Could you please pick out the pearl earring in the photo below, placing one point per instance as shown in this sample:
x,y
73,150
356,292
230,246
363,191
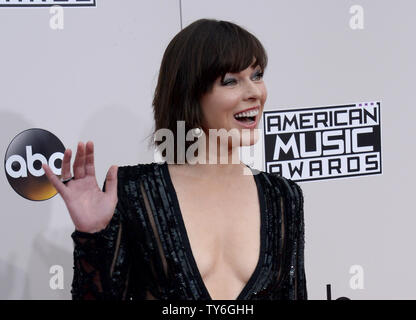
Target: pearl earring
x,y
197,132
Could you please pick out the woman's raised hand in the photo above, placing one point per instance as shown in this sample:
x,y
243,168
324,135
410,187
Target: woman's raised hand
x,y
90,208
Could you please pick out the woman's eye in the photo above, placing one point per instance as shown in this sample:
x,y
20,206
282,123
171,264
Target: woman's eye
x,y
228,81
259,75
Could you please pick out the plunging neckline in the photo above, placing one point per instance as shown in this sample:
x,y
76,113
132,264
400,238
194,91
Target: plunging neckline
x,y
187,243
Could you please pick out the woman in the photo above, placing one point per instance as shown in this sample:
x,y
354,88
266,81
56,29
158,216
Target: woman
x,y
187,230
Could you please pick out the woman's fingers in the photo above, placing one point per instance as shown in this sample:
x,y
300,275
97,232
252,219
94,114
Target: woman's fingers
x,y
89,159
59,186
79,163
66,165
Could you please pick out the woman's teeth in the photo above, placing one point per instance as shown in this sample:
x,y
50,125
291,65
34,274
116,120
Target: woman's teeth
x,y
245,114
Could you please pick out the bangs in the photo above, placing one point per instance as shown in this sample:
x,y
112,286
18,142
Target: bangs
x,y
229,48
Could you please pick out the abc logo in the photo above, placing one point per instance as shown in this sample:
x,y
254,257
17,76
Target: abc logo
x,y
23,163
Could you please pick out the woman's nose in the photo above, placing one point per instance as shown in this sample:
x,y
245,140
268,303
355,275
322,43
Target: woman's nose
x,y
253,90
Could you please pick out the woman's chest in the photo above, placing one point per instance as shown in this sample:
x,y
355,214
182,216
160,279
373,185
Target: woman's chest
x,y
222,223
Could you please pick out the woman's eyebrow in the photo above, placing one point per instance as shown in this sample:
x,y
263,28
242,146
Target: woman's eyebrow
x,y
257,68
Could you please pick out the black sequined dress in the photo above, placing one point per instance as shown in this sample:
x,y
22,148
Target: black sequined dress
x,y
144,252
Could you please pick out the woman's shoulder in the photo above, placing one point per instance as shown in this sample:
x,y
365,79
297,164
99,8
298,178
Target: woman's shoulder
x,y
292,194
286,186
137,171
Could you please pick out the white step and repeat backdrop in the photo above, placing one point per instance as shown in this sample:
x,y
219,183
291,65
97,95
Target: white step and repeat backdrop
x,y
338,119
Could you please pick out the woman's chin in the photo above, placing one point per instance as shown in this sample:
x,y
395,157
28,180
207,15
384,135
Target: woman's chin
x,y
250,137
239,137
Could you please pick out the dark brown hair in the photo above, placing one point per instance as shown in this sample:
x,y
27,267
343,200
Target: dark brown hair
x,y
199,54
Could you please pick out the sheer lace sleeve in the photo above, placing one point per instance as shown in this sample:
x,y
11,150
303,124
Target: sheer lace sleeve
x,y
300,291
102,260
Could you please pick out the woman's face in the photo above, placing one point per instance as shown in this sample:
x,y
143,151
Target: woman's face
x,y
236,93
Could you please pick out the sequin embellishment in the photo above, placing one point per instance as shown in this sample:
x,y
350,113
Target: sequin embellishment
x,y
142,253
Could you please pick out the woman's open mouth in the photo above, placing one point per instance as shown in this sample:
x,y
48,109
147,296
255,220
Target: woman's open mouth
x,y
247,119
